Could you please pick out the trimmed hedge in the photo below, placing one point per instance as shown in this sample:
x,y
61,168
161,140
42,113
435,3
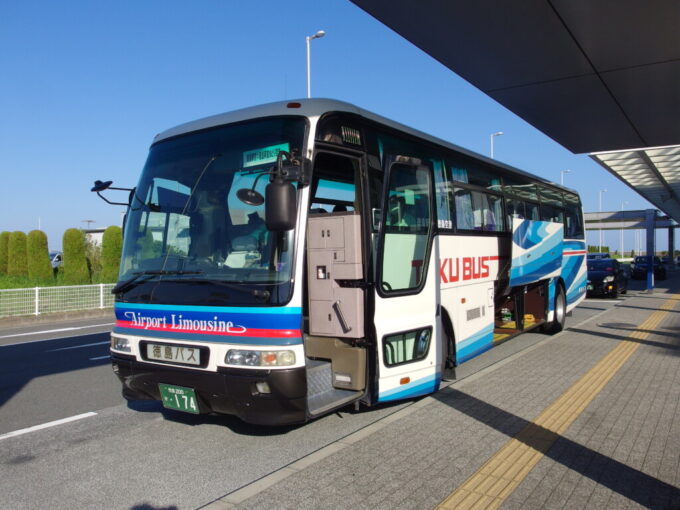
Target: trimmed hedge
x,y
4,252
76,271
39,266
16,255
112,244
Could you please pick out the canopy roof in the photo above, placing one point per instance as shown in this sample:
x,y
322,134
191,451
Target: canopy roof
x,y
654,172
593,75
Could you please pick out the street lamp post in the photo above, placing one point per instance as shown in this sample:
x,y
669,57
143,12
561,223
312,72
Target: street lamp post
x,y
319,34
601,191
621,233
562,172
491,137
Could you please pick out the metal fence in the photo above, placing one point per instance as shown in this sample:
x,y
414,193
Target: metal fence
x,y
40,300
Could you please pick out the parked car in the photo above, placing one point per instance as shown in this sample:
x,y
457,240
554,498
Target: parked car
x,y
639,270
603,255
606,277
56,259
667,260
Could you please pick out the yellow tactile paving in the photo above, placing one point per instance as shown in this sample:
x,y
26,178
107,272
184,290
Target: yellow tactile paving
x,y
502,473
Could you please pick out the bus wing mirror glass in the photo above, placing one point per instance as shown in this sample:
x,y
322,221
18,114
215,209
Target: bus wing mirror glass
x,y
280,206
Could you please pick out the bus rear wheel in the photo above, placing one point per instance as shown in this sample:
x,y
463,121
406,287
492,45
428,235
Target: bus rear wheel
x,y
559,315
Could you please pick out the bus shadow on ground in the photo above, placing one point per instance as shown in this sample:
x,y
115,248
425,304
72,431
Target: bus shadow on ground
x,y
631,483
21,363
233,423
238,426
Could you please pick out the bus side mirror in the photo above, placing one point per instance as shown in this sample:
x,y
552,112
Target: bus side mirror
x,y
280,205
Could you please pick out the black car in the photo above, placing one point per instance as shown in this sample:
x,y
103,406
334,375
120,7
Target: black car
x,y
598,255
606,277
639,271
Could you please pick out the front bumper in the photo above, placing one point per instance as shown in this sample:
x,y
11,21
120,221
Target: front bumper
x,y
600,289
229,391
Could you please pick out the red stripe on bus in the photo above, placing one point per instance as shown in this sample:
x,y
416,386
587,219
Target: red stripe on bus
x,y
259,333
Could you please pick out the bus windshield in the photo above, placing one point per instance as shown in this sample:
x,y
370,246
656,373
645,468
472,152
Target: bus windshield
x,y
185,222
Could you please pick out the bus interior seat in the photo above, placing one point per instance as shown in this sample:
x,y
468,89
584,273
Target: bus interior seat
x,y
340,208
244,252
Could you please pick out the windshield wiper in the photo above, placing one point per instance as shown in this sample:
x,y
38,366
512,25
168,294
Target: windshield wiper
x,y
264,294
135,280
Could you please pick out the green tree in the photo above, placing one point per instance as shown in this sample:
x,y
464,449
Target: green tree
x,y
16,255
112,244
4,252
93,254
75,262
39,267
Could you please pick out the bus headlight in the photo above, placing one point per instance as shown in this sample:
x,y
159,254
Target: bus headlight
x,y
119,343
260,358
608,279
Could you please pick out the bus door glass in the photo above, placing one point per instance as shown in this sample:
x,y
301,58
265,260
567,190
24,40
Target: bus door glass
x,y
406,300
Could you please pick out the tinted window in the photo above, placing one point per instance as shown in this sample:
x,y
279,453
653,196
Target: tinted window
x,y
601,265
478,211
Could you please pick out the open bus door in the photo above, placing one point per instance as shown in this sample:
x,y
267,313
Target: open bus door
x,y
406,325
336,295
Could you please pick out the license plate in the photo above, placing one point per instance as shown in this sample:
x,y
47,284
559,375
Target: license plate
x,y
178,398
590,287
174,354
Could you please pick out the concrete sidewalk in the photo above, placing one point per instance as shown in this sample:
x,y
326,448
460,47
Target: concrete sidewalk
x,y
619,449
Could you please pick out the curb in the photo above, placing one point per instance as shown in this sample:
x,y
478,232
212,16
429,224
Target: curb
x,y
28,320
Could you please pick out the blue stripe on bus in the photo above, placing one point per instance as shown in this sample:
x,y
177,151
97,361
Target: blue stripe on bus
x,y
423,386
475,344
530,234
250,318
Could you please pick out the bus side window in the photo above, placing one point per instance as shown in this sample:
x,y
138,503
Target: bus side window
x,y
515,209
572,224
493,221
465,217
532,212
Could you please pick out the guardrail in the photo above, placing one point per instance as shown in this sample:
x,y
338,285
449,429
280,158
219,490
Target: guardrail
x,y
39,300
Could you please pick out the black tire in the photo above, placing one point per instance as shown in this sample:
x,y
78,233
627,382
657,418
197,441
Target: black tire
x,y
449,365
560,315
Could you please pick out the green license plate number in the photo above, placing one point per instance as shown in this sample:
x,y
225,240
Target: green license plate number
x,y
178,398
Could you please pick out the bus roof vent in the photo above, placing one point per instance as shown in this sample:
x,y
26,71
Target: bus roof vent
x,y
351,135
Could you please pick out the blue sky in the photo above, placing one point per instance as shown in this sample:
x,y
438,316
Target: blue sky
x,y
84,87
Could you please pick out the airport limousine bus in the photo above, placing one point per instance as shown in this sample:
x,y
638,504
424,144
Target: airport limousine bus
x,y
283,261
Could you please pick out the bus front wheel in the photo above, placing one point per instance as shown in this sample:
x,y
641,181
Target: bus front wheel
x,y
560,313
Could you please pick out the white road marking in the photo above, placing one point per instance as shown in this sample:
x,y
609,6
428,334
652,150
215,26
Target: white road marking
x,y
100,357
46,425
56,331
49,339
38,332
79,346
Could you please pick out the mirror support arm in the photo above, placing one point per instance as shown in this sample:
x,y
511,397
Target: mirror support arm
x,y
108,201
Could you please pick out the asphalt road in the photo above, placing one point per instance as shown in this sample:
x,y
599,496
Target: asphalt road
x,y
140,456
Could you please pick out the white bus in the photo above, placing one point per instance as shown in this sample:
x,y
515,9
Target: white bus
x,y
286,260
